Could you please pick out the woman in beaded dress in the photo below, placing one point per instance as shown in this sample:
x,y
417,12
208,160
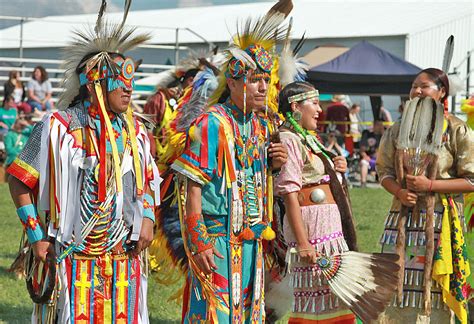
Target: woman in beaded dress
x,y
454,176
311,229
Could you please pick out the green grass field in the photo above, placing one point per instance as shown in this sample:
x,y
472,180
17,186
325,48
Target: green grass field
x,y
369,205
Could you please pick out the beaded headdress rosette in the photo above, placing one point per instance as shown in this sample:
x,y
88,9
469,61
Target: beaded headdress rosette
x,y
119,75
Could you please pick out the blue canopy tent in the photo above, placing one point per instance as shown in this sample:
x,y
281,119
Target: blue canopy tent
x,y
365,69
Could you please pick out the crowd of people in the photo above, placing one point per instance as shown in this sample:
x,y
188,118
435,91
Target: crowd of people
x,y
236,187
21,108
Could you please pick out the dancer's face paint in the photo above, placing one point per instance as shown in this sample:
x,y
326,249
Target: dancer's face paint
x,y
119,98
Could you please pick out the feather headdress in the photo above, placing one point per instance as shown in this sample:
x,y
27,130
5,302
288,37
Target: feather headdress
x,y
291,68
250,46
98,43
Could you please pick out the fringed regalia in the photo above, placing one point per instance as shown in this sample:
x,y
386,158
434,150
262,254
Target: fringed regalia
x,y
234,196
96,279
450,269
94,181
313,299
225,153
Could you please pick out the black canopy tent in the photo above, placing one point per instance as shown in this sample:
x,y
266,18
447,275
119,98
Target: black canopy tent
x,y
365,69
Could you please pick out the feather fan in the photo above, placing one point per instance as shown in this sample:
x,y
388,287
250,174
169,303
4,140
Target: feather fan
x,y
365,282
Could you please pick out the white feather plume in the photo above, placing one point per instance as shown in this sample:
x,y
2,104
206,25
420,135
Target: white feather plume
x,y
291,68
104,38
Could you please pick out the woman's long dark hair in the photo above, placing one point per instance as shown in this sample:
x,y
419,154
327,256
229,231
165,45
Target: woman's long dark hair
x,y
289,90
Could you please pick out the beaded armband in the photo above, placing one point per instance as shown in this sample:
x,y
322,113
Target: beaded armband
x,y
149,207
31,222
198,239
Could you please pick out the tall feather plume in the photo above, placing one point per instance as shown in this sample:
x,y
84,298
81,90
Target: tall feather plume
x,y
448,53
104,38
290,68
299,45
264,31
126,9
98,24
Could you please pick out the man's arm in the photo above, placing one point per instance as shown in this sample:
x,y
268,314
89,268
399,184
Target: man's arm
x,y
21,196
199,242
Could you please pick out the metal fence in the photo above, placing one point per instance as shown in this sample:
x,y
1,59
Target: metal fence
x,y
26,64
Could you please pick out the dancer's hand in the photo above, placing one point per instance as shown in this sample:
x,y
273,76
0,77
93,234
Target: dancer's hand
x,y
146,236
340,164
418,183
205,260
41,249
279,155
307,253
406,197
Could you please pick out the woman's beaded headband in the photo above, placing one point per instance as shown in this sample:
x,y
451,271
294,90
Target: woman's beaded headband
x,y
304,96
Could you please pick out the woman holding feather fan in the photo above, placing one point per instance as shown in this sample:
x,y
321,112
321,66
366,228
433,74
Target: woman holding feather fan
x,y
427,168
331,282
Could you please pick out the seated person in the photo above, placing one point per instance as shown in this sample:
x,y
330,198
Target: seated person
x,y
14,87
369,144
8,115
333,144
16,139
40,90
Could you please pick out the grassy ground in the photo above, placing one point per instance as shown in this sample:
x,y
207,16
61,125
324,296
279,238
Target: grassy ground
x,y
370,206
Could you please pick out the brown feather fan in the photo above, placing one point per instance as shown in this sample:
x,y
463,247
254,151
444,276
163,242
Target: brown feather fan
x,y
418,144
365,282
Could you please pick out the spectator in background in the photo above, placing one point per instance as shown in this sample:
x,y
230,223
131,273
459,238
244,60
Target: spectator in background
x,y
337,112
40,90
400,110
384,115
8,115
354,128
15,88
16,139
333,146
369,145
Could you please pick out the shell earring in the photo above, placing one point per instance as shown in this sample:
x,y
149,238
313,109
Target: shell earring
x,y
297,115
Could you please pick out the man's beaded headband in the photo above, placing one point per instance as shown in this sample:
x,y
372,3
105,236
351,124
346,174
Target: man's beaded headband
x,y
304,96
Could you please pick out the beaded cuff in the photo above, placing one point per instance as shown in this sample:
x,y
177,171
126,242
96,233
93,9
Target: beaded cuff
x,y
149,207
198,239
31,222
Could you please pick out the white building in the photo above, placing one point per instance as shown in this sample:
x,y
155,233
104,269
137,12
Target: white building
x,y
413,30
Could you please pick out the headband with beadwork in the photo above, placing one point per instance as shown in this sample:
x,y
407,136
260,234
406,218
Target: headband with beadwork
x,y
304,96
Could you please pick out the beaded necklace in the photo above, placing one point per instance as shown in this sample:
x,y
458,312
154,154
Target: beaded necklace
x,y
310,140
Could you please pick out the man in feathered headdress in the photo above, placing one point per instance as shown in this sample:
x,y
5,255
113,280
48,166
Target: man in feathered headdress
x,y
88,169
225,164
